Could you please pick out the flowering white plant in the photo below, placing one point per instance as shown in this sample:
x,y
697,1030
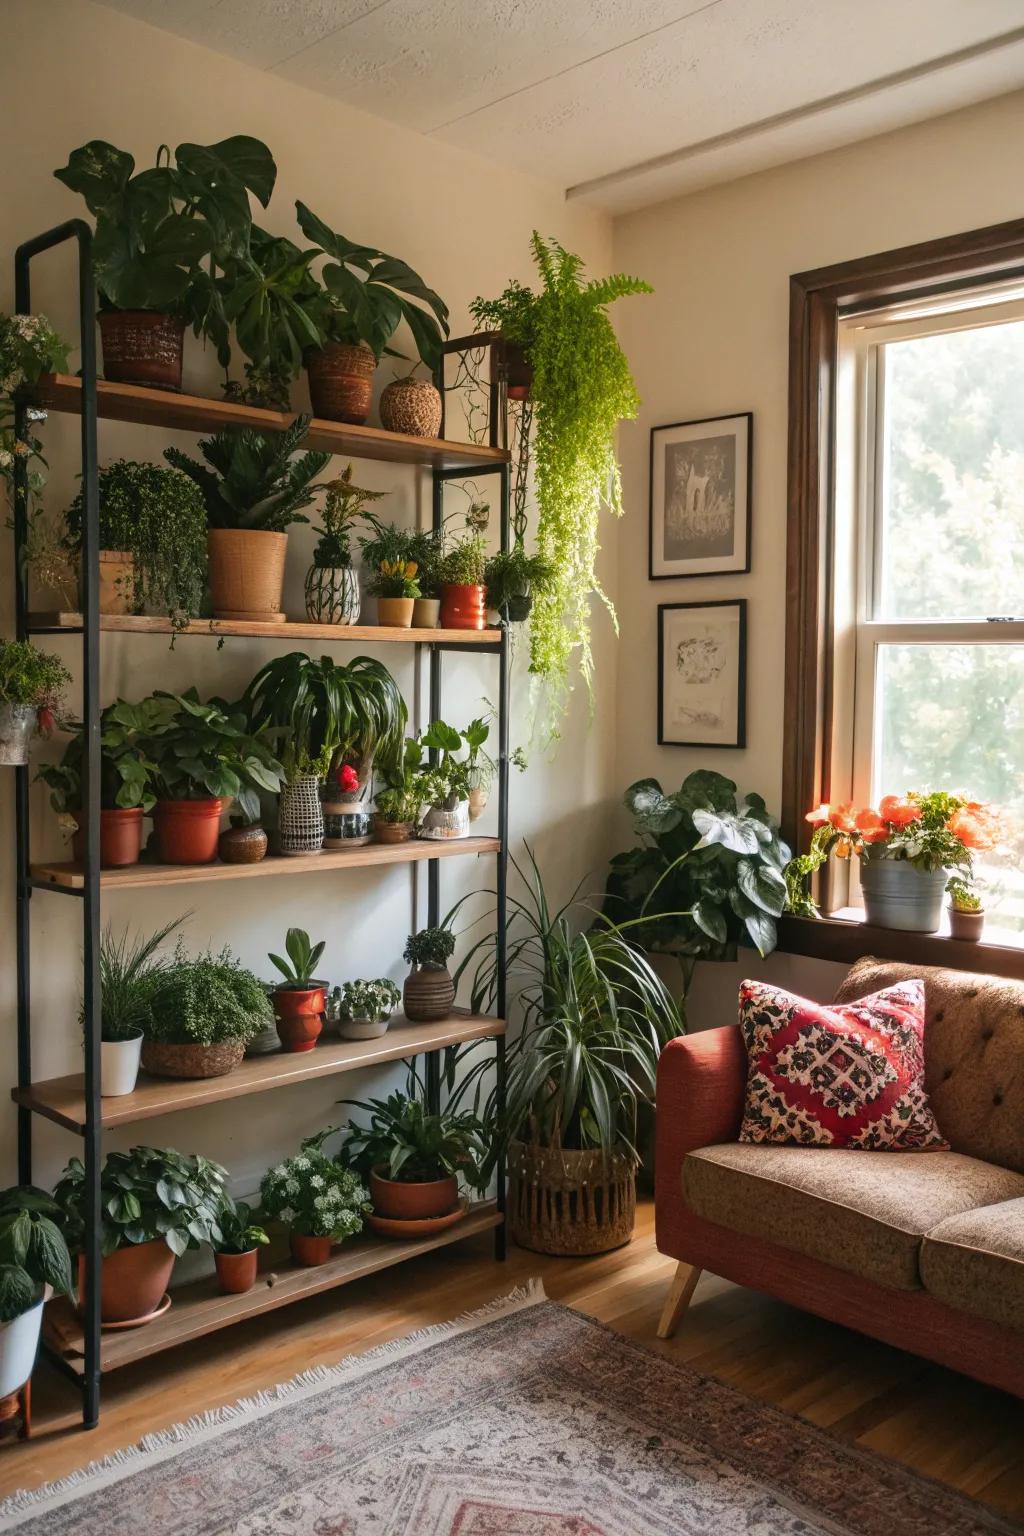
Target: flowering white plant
x,y
313,1196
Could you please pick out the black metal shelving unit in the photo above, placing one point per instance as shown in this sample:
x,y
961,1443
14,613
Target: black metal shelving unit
x,y
87,889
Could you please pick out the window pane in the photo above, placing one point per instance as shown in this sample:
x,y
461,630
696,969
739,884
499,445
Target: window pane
x,y
953,476
952,717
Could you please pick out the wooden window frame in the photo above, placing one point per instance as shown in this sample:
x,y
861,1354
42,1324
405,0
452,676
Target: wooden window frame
x,y
818,300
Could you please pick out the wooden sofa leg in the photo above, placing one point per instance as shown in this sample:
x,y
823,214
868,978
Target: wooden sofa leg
x,y
684,1283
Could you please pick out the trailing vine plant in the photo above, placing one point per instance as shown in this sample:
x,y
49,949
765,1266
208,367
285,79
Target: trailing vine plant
x,y
582,388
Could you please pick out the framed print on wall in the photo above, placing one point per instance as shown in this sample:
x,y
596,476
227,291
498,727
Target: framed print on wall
x,y
702,674
700,497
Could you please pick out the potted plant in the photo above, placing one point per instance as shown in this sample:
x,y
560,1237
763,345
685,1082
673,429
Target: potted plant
x,y
203,1011
364,1008
254,488
204,756
299,999
397,805
155,1204
396,589
130,969
152,536
412,1160
966,912
411,405
318,1201
236,1250
34,1261
154,232
479,766
357,305
429,991
908,848
512,580
260,294
580,388
463,594
32,687
426,548
444,784
332,586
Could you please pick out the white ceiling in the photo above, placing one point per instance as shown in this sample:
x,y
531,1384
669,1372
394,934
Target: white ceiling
x,y
625,102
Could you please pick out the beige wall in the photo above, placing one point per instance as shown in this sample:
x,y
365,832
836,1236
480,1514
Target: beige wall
x,y
713,340
72,71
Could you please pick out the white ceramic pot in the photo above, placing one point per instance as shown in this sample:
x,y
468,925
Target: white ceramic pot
x,y
332,595
19,1340
363,1029
440,825
119,1066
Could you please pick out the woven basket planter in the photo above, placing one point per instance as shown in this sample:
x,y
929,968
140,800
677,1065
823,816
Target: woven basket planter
x,y
142,347
191,1060
341,381
570,1203
412,406
300,817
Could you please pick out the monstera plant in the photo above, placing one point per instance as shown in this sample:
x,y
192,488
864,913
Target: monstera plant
x,y
708,874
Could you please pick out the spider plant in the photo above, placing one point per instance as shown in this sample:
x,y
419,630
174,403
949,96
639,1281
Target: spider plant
x,y
251,480
130,970
325,714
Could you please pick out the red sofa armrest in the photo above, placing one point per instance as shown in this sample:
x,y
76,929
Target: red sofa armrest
x,y
702,1079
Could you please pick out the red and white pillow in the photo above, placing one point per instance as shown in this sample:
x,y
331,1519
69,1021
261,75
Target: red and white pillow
x,y
849,1075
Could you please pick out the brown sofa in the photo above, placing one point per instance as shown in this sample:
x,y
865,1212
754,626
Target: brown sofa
x,y
922,1249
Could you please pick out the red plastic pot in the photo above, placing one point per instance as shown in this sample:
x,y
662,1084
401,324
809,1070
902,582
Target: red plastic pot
x,y
413,1202
236,1271
463,607
187,830
298,1013
120,839
309,1251
132,1280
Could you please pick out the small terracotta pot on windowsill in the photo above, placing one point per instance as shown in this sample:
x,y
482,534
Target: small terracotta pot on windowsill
x,y
966,925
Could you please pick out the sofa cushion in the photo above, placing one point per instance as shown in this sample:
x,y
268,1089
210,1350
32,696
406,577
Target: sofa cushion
x,y
865,1212
974,1026
975,1262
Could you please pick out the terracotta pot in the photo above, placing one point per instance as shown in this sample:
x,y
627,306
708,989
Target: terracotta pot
x,y
187,830
341,381
518,373
412,1202
166,1060
242,845
120,838
236,1271
299,1015
464,607
309,1251
426,611
117,581
392,831
132,1280
966,925
142,348
428,995
245,571
570,1202
412,406
395,611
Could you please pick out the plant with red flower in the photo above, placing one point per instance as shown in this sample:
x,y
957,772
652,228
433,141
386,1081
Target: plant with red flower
x,y
348,779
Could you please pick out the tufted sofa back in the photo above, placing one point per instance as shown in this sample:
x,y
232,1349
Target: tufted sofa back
x,y
974,1053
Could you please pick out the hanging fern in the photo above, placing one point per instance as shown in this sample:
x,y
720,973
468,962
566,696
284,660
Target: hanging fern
x,y
582,388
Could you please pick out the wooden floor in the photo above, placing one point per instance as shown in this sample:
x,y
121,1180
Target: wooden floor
x,y
943,1425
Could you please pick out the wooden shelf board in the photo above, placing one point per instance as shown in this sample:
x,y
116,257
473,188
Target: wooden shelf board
x,y
364,634
69,876
194,413
199,1309
62,1099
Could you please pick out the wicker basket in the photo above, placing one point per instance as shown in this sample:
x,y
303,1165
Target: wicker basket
x,y
191,1060
570,1203
412,406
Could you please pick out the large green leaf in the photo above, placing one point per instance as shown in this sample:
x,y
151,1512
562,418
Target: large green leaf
x,y
100,173
48,1255
736,833
763,885
17,1292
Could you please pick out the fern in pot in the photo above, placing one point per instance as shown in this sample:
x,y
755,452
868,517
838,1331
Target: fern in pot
x,y
332,586
203,1012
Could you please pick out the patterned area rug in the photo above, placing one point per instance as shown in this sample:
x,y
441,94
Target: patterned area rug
x,y
526,1420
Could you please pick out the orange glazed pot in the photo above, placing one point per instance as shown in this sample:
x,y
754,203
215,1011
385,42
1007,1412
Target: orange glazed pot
x,y
187,830
341,381
236,1271
298,1013
413,1202
140,347
463,607
120,839
309,1251
132,1280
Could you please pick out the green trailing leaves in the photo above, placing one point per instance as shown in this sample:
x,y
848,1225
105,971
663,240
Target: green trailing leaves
x,y
33,1252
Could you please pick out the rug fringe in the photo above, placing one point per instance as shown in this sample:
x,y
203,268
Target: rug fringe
x,y
32,1502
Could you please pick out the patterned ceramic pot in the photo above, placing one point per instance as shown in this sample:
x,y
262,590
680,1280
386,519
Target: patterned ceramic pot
x,y
896,895
412,406
332,595
140,347
341,381
242,845
346,826
17,725
428,994
300,817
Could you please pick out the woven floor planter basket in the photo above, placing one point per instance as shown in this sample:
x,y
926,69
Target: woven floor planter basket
x,y
570,1203
191,1060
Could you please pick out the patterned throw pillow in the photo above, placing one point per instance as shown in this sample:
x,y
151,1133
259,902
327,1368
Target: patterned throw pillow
x,y
849,1075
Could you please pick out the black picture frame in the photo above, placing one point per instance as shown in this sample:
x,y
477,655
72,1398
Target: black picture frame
x,y
740,426
736,738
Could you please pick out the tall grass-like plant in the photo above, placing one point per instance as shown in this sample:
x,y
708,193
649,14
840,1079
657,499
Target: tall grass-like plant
x,y
323,713
131,971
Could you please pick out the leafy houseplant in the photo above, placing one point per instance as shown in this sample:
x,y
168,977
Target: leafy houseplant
x,y
260,294
255,485
365,1008
130,971
236,1251
155,1204
426,547
203,1011
396,589
319,1202
429,991
33,1255
152,540
411,1159
332,588
513,580
397,805
299,999
581,389
445,783
32,685
30,347
463,594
